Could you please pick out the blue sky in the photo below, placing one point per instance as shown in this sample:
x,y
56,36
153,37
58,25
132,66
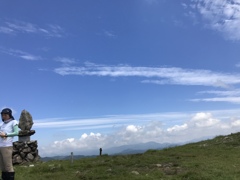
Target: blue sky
x,y
100,73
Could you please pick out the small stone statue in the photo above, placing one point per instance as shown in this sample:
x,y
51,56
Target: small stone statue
x,y
25,124
25,121
25,150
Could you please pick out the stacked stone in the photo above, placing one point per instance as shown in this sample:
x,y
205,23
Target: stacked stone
x,y
25,150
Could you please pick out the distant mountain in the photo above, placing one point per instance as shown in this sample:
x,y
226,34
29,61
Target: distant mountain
x,y
137,148
130,151
125,149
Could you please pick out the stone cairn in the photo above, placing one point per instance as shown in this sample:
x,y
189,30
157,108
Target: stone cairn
x,y
25,150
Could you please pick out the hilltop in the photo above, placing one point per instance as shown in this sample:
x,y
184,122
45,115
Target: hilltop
x,y
217,158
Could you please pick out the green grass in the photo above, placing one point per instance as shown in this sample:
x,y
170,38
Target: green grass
x,y
215,159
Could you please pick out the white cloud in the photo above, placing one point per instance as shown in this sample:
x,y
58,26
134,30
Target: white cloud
x,y
230,93
22,27
86,142
235,100
231,96
236,123
177,128
65,61
222,16
16,27
6,30
112,121
84,136
20,54
204,120
200,126
29,57
132,128
109,34
184,5
55,31
164,75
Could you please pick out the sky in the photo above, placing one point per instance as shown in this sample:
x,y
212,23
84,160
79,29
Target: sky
x,y
101,73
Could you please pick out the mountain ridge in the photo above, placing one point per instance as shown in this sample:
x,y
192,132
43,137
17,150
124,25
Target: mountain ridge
x,y
118,150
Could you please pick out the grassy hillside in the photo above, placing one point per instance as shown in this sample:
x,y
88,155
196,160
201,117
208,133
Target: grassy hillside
x,y
215,159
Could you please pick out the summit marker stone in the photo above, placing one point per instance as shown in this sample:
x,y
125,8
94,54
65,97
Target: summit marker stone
x,y
25,150
25,121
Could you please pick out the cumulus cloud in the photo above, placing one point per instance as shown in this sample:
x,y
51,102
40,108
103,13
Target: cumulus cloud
x,y
204,120
177,128
199,126
221,15
131,128
236,123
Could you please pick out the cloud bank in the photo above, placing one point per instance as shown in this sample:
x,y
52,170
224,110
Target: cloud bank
x,y
198,126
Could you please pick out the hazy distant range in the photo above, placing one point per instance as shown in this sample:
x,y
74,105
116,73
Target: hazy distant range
x,y
120,150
